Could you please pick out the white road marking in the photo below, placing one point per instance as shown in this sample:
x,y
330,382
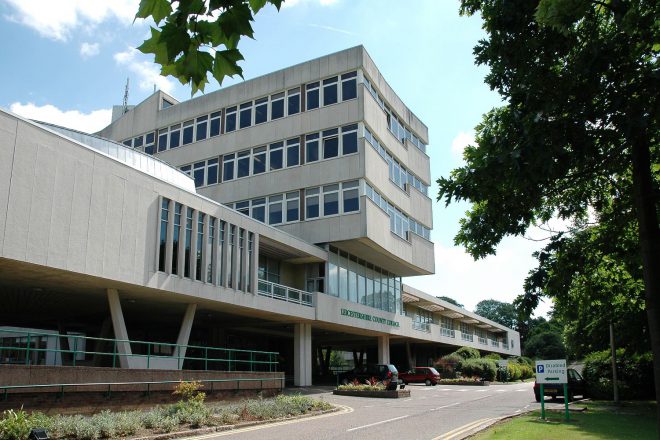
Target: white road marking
x,y
522,390
377,423
500,391
446,406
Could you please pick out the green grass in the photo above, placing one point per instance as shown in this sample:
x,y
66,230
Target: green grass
x,y
601,420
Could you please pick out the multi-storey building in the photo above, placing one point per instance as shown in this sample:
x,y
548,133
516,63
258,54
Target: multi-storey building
x,y
300,201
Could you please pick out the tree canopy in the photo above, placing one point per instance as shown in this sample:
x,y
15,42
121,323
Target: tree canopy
x,y
578,134
194,38
498,311
450,300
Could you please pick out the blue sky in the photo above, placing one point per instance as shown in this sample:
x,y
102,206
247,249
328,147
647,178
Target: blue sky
x,y
67,63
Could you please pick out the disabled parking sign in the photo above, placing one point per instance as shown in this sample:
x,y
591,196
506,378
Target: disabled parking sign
x,y
551,371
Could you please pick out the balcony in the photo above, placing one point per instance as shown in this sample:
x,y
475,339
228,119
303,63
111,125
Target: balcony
x,y
483,341
285,293
467,337
447,332
421,326
494,343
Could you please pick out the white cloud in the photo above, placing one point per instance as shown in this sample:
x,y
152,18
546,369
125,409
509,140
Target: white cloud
x,y
147,72
89,49
332,29
57,19
462,140
87,122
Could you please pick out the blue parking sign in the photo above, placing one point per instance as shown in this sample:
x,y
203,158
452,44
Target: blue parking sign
x,y
539,369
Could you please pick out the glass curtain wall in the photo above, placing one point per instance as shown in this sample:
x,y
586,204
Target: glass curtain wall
x,y
358,281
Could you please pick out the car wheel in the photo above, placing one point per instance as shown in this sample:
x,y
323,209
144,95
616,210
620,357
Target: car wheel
x,y
427,382
571,397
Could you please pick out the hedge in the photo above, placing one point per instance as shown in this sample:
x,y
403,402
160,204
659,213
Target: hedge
x,y
634,375
486,369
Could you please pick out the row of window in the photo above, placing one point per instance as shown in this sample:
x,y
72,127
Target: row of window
x,y
218,251
317,94
326,144
398,173
396,126
307,204
356,280
400,223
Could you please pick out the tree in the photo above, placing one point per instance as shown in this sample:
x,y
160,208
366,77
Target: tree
x,y
545,345
579,126
498,311
450,300
594,277
198,37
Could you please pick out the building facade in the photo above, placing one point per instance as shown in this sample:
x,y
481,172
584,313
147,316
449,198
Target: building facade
x,y
279,213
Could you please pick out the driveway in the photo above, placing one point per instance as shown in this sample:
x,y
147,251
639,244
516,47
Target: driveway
x,y
440,412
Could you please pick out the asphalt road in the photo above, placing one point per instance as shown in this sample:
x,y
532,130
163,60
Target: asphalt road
x,y
440,412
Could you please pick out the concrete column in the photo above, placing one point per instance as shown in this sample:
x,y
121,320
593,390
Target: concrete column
x,y
302,355
119,327
184,334
255,264
245,273
193,246
222,258
170,236
383,349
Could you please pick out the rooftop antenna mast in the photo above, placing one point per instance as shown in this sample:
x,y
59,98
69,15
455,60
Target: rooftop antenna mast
x,y
125,107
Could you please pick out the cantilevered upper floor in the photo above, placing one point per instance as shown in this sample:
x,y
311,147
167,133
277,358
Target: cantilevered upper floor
x,y
324,150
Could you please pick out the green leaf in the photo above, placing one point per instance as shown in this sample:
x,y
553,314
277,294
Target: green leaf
x,y
157,9
256,5
154,46
226,64
656,47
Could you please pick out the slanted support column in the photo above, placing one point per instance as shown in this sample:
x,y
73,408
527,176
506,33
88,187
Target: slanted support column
x,y
383,349
184,334
119,327
302,355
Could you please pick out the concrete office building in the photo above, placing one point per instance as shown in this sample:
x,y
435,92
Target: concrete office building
x,y
277,214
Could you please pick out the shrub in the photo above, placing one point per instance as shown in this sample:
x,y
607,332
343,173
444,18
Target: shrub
x,y
468,353
486,369
493,356
634,375
447,365
14,425
514,371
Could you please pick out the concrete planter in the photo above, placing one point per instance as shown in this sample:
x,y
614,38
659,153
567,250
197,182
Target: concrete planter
x,y
384,394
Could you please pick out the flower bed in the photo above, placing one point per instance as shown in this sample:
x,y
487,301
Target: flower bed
x,y
471,382
386,394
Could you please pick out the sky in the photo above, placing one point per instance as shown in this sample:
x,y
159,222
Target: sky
x,y
67,62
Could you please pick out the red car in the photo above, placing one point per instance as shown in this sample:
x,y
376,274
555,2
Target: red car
x,y
425,375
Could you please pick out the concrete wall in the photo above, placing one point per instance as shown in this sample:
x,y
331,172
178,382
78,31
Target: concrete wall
x,y
75,209
40,374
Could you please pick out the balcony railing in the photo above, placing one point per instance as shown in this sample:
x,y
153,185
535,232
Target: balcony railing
x,y
505,345
448,332
421,326
467,337
483,341
45,348
494,343
285,293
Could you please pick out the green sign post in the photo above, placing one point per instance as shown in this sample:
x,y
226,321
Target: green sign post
x,y
552,372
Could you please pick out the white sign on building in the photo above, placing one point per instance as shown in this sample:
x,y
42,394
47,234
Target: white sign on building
x,y
553,371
